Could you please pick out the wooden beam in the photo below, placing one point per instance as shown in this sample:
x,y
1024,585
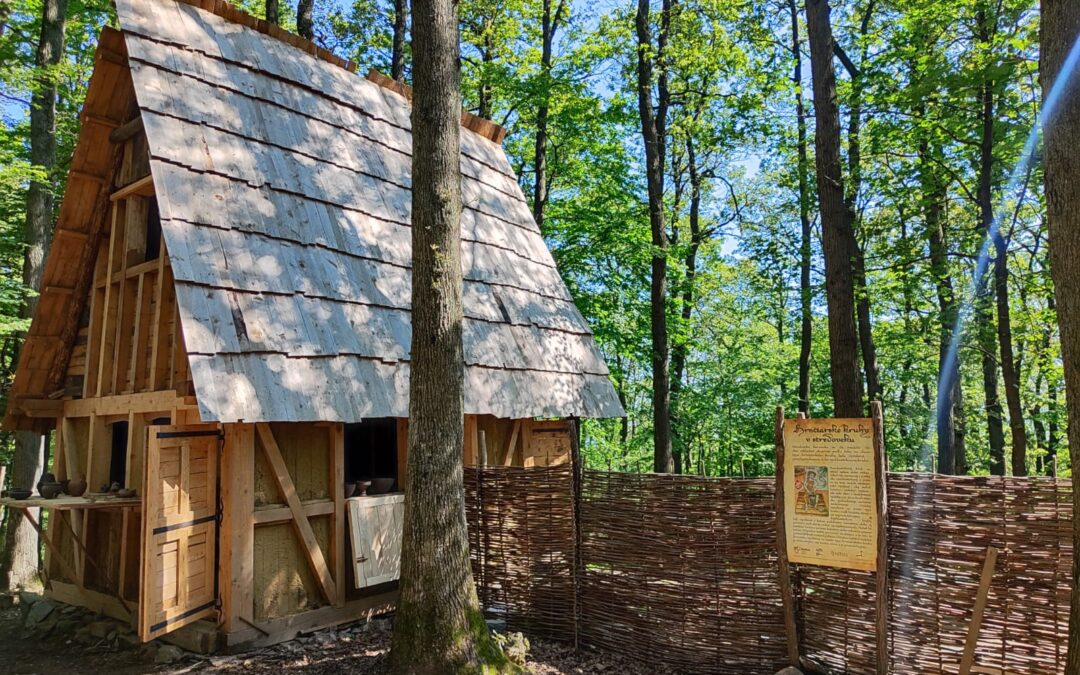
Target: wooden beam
x,y
881,603
155,324
109,310
126,130
121,404
511,445
303,528
968,658
337,488
787,595
143,187
283,514
402,451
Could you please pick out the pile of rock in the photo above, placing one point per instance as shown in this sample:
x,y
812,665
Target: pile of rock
x,y
45,618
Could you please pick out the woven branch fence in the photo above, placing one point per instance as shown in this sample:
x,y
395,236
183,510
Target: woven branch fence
x,y
681,570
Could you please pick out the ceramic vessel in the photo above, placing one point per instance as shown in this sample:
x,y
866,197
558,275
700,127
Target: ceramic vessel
x,y
76,487
19,493
49,490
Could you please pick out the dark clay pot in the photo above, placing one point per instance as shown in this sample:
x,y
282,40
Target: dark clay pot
x,y
76,487
49,490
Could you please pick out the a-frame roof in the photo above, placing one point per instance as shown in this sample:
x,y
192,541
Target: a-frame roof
x,y
283,181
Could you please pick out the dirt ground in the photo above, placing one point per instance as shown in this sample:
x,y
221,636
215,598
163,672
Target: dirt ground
x,y
358,649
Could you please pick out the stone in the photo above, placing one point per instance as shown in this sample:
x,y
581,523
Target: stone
x,y
38,612
27,598
168,654
7,601
84,637
128,641
66,625
790,670
100,629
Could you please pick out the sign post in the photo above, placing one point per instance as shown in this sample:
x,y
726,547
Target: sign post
x,y
831,507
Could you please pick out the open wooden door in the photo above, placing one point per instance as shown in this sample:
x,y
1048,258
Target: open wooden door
x,y
180,509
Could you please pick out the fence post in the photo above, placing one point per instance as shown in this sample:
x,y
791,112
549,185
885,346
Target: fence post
x,y
579,566
786,595
882,591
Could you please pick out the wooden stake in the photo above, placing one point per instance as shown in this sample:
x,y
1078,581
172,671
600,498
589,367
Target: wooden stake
x,y
977,614
786,595
881,616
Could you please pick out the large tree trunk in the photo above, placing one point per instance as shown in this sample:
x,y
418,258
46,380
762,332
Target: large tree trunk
x,y
439,627
805,290
305,25
20,559
397,57
1061,133
836,218
549,25
272,8
651,131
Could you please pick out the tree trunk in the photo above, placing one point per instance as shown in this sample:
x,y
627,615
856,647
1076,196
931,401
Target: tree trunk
x,y
1010,364
397,58
439,627
862,296
995,430
680,350
305,25
1061,133
651,124
805,289
20,559
549,25
272,12
836,218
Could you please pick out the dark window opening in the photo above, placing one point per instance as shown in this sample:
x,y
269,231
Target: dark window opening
x,y
371,452
153,231
118,460
161,421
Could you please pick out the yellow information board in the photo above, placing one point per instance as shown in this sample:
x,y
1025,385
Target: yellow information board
x,y
830,493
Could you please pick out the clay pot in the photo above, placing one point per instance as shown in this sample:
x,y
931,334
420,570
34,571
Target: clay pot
x,y
125,493
45,478
49,490
350,490
380,486
19,493
76,487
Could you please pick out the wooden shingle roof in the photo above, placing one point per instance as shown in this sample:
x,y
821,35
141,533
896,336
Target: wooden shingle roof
x,y
283,183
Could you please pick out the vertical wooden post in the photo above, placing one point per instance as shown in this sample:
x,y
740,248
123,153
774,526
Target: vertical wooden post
x,y
881,468
786,595
402,451
579,563
237,535
337,549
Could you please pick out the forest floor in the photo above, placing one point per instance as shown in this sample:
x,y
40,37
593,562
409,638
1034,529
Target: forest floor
x,y
64,645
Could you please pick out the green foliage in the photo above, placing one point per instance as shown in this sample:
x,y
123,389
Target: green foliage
x,y
922,65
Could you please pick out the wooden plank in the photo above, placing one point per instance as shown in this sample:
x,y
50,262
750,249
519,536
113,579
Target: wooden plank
x,y
108,323
273,631
337,489
156,330
787,596
93,345
511,445
126,130
140,188
285,484
121,404
136,444
471,440
281,514
987,577
237,553
135,353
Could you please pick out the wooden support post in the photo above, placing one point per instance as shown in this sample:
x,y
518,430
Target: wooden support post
x,y
402,451
968,659
511,445
337,489
237,535
787,597
280,472
471,440
881,615
481,446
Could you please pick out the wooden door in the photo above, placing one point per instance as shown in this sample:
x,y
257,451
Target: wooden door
x,y
375,525
180,509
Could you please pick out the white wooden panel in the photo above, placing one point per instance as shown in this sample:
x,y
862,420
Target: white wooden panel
x,y
375,526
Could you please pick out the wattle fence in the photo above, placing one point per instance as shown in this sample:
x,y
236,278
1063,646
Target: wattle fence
x,y
682,571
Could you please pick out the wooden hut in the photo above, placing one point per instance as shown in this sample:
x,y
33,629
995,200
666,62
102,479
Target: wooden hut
x,y
224,325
